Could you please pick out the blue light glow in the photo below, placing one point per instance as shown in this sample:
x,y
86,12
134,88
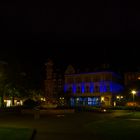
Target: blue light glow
x,y
114,87
65,88
102,87
105,86
83,87
74,88
91,87
111,87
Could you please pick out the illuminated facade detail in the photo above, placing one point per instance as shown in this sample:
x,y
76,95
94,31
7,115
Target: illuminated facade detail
x,y
74,88
49,83
93,89
8,102
83,87
53,83
65,88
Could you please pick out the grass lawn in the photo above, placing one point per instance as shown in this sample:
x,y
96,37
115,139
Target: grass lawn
x,y
15,133
125,127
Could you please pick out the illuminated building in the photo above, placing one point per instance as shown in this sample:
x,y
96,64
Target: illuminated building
x,y
92,89
8,102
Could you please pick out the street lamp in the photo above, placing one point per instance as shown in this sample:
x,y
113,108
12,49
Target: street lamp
x,y
133,93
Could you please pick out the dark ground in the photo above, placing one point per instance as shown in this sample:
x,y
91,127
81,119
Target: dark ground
x,y
76,126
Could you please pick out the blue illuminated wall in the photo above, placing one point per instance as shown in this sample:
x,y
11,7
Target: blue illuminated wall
x,y
112,87
104,86
83,87
91,87
65,88
74,88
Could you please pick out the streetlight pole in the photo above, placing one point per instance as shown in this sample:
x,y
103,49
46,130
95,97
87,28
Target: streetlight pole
x,y
133,93
133,97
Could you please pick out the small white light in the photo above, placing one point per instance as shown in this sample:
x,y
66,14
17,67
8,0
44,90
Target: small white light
x,y
118,97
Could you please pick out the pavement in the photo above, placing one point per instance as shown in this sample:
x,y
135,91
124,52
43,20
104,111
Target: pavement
x,y
60,127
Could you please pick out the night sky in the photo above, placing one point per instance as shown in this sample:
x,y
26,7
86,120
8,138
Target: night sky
x,y
83,34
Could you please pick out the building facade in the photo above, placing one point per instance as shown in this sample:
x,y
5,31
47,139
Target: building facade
x,y
131,77
92,89
53,83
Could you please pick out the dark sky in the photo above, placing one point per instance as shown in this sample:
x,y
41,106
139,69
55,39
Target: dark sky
x,y
81,17
70,32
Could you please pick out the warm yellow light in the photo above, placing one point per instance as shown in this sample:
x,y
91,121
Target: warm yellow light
x,y
138,78
21,102
117,97
133,92
42,99
61,98
121,96
102,98
114,103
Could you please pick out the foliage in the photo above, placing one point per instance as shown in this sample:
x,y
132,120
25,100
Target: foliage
x,y
35,94
29,103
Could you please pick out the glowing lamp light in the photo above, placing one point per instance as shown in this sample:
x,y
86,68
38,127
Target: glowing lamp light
x,y
117,97
114,103
102,98
139,78
61,98
42,99
77,99
133,92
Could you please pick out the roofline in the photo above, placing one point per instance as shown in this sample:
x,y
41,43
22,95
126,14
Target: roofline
x,y
77,74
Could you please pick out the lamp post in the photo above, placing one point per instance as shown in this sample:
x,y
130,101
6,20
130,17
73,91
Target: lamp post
x,y
133,93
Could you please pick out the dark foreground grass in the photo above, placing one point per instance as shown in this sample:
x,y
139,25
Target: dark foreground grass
x,y
116,128
15,133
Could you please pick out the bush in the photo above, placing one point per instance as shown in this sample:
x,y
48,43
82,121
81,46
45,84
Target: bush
x,y
29,103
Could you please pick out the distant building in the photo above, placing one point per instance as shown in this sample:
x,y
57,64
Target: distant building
x,y
92,89
53,82
132,83
131,77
